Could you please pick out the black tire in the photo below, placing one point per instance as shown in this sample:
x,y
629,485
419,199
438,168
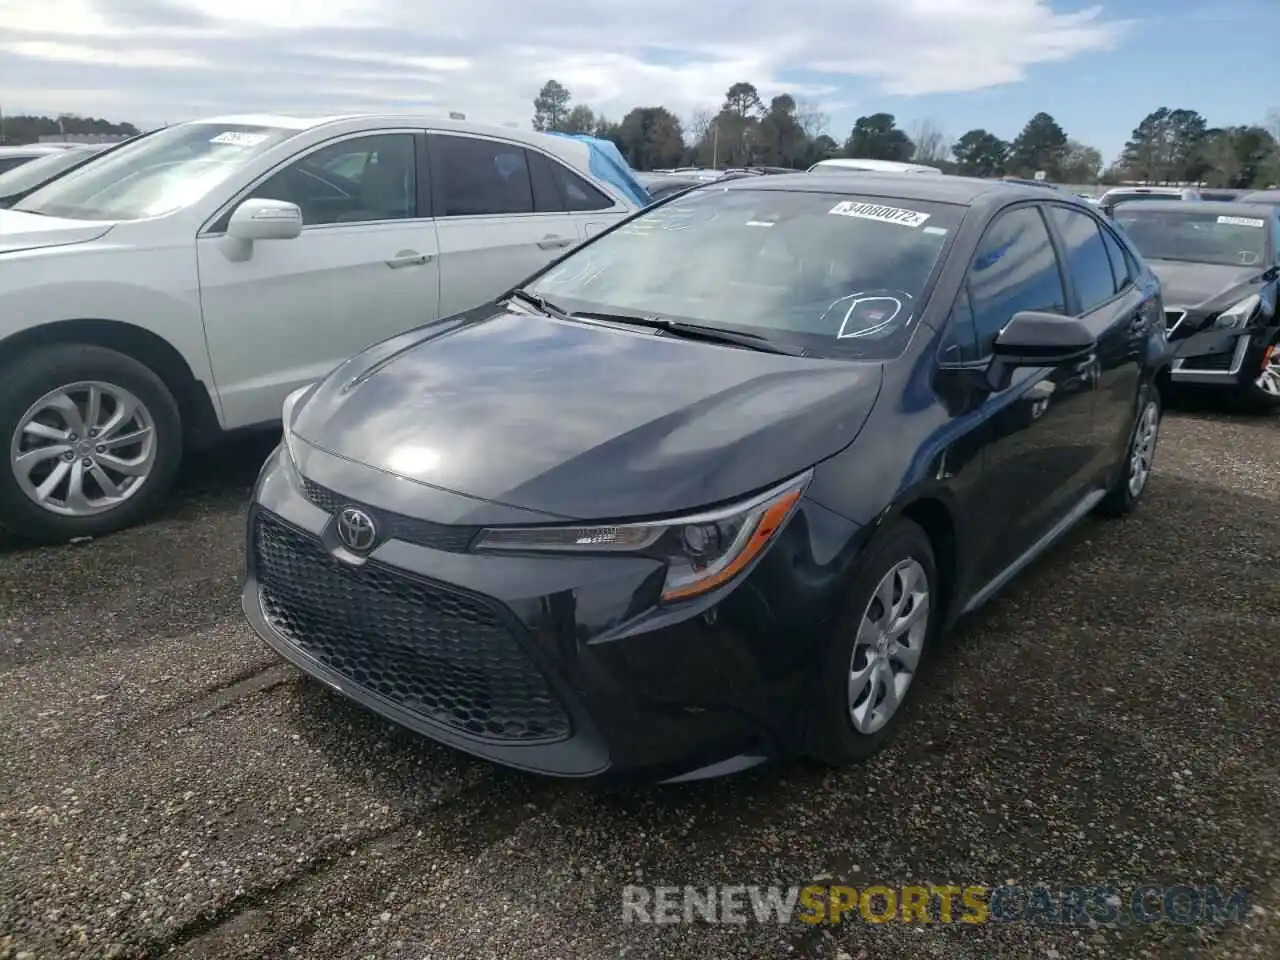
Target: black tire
x,y
831,737
25,378
1120,499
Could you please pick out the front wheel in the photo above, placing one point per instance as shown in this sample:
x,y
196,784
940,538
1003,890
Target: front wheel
x,y
93,439
878,647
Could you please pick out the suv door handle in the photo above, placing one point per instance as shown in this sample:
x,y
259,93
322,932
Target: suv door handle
x,y
551,242
408,258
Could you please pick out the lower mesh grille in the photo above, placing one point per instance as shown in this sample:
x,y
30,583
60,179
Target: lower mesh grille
x,y
439,654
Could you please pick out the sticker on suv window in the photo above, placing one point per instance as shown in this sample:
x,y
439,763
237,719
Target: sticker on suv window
x,y
1242,221
237,138
876,211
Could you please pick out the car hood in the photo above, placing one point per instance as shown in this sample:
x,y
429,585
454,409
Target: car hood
x,y
1201,286
28,231
584,421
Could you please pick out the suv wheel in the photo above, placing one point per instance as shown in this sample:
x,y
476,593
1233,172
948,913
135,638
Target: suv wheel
x,y
92,440
879,648
1133,475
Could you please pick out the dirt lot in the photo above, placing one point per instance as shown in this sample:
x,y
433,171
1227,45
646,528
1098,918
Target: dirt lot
x,y
168,788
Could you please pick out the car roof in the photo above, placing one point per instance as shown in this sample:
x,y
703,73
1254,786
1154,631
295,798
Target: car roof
x,y
1221,208
1260,196
301,123
963,191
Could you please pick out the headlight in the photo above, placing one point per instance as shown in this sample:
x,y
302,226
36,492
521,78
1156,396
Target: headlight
x,y
1239,315
702,551
287,410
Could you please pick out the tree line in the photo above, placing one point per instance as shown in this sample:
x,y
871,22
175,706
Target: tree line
x,y
27,128
1168,146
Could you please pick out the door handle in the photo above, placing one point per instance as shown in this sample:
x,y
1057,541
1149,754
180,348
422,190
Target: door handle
x,y
408,258
552,242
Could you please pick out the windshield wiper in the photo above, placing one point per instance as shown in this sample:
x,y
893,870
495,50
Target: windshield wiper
x,y
539,301
699,331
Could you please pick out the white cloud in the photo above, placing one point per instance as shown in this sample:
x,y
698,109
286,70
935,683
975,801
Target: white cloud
x,y
153,60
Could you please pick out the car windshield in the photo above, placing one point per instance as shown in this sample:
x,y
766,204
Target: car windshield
x,y
1195,236
155,175
839,276
41,170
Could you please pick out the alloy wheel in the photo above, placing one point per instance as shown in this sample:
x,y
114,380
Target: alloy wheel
x,y
1269,379
1144,447
83,449
886,653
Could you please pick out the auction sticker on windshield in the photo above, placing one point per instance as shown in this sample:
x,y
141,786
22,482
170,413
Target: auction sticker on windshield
x,y
875,211
1242,221
238,138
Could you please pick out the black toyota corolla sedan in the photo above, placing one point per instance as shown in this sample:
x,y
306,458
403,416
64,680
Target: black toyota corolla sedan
x,y
707,490
1219,269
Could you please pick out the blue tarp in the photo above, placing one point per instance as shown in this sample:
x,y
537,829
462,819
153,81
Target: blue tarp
x,y
609,165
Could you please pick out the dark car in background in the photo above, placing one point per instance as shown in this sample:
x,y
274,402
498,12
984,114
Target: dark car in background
x,y
662,185
1108,201
1219,269
13,157
707,490
18,182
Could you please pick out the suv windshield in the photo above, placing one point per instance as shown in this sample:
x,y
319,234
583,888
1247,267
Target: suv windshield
x,y
836,275
155,175
1195,236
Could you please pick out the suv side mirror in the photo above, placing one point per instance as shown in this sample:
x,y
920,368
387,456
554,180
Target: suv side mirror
x,y
1037,339
260,219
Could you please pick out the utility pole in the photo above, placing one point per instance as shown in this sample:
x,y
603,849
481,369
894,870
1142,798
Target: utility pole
x,y
715,144
2,137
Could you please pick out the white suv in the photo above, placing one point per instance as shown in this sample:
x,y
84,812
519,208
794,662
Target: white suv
x,y
181,286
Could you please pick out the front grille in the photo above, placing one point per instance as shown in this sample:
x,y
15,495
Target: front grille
x,y
442,655
395,526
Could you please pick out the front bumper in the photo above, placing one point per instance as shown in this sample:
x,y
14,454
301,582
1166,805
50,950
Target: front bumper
x,y
550,664
1221,358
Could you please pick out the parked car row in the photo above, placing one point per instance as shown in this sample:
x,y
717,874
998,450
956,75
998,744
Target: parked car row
x,y
581,481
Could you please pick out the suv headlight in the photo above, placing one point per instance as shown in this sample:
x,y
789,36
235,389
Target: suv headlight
x,y
1239,314
702,551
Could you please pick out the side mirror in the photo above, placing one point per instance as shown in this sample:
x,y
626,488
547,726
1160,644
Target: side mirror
x,y
265,220
1035,339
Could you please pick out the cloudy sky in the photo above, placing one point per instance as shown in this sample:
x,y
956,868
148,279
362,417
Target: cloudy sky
x,y
963,63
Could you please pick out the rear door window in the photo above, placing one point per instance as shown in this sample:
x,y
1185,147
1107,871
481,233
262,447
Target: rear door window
x,y
480,177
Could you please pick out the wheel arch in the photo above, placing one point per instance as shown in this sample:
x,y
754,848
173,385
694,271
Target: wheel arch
x,y
934,512
199,417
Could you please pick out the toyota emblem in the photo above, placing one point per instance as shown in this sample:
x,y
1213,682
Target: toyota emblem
x,y
356,529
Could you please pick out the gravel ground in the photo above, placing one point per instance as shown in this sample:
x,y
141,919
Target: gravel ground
x,y
168,788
